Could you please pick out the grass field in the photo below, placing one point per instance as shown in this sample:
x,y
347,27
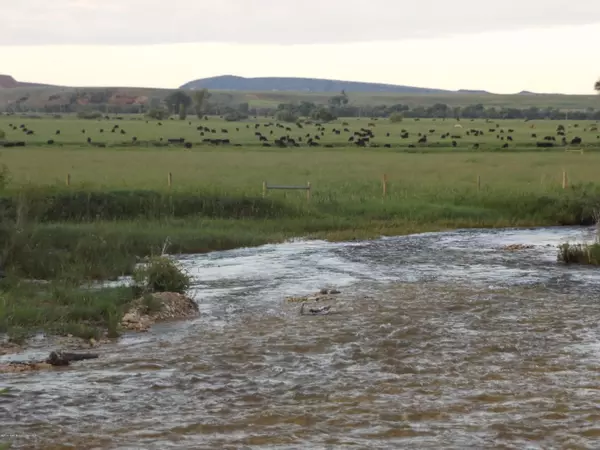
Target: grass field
x,y
119,207
76,132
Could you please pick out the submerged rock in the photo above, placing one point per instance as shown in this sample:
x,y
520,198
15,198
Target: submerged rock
x,y
8,348
515,247
322,295
169,306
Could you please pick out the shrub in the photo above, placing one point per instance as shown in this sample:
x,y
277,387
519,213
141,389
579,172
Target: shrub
x,y
235,116
158,114
322,114
286,115
161,275
396,118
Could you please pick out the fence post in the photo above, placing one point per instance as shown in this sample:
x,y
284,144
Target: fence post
x,y
478,182
170,179
565,180
264,189
68,179
384,185
308,189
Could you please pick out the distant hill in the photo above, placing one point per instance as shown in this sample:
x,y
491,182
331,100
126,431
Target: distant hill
x,y
8,82
234,83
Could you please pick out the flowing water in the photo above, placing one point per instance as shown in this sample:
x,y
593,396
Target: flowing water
x,y
438,340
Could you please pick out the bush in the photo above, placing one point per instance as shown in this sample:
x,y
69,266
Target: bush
x,y
158,114
235,116
286,115
323,115
161,275
396,118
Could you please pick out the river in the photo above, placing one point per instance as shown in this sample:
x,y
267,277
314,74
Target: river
x,y
438,340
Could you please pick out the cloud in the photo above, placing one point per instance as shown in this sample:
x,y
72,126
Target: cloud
x,y
140,22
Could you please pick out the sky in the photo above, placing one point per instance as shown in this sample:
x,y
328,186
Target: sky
x,y
503,47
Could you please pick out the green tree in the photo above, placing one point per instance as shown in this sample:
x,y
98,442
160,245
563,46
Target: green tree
x,y
244,108
200,98
182,111
177,98
597,86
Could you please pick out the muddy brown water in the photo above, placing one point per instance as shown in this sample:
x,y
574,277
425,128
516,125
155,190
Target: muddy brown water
x,y
438,341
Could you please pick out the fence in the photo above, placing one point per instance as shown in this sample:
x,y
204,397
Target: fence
x,y
308,188
267,187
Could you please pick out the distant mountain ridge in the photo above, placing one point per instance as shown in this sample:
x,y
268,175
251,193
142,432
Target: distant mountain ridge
x,y
235,83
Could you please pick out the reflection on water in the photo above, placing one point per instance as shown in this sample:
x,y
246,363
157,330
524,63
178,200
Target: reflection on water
x,y
441,341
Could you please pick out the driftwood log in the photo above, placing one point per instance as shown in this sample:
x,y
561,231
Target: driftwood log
x,y
63,358
56,359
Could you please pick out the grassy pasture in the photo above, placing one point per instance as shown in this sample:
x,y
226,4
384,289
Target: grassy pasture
x,y
75,133
119,207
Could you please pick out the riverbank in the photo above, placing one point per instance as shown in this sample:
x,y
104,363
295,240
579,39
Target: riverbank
x,y
71,235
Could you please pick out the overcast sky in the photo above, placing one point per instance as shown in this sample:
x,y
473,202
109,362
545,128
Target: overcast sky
x,y
439,42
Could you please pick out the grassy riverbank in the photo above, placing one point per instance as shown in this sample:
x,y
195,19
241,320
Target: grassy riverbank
x,y
119,208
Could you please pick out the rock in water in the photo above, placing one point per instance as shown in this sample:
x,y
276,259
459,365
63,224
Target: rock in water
x,y
172,306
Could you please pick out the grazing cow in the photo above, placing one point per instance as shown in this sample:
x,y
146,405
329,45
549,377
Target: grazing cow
x,y
509,138
57,132
576,141
505,146
533,135
50,141
454,143
89,140
387,145
423,140
223,130
545,144
188,144
511,130
82,131
476,146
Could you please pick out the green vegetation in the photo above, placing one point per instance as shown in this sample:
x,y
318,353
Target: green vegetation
x,y
118,206
580,254
161,274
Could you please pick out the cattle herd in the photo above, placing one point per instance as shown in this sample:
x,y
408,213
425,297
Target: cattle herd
x,y
315,134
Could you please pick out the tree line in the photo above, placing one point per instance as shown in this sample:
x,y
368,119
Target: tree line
x,y
200,103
